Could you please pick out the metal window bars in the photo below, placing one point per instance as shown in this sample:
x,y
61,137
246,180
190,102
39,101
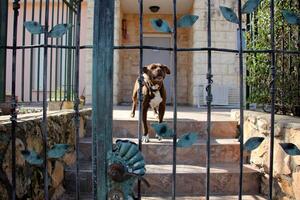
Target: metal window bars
x,y
102,76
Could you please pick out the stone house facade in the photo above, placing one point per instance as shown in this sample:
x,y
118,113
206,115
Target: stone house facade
x,y
192,66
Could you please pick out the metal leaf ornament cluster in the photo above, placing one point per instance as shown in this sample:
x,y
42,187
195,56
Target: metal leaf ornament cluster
x,y
126,165
291,17
290,149
187,140
162,130
253,143
32,157
185,21
249,7
56,32
56,152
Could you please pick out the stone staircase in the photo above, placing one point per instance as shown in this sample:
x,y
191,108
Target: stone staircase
x,y
191,170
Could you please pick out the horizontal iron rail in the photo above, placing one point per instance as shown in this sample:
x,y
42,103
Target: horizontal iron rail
x,y
267,51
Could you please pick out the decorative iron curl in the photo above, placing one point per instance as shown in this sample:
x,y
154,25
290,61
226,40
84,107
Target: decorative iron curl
x,y
209,97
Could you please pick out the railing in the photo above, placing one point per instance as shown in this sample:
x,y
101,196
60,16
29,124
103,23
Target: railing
x,y
29,84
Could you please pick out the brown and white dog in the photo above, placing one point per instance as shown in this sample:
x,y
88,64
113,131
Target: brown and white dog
x,y
154,94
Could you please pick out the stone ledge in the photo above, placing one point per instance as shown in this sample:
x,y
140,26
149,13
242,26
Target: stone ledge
x,y
282,120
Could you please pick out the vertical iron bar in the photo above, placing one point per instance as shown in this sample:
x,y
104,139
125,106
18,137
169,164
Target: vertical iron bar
x,y
76,93
39,55
45,80
141,80
51,55
273,89
73,54
16,7
23,50
3,42
31,54
209,100
175,99
66,56
56,53
69,53
103,39
241,127
61,53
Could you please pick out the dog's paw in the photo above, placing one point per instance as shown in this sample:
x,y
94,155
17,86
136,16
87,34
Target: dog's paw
x,y
158,137
145,139
132,115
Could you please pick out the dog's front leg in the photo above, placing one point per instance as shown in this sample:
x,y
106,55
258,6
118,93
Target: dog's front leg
x,y
144,119
161,111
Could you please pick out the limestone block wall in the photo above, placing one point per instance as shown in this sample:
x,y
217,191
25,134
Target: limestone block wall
x,y
89,53
286,168
225,66
129,64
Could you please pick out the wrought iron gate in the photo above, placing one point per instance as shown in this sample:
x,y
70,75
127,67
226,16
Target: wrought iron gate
x,y
103,48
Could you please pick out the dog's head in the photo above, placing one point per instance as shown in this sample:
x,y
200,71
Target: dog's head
x,y
156,72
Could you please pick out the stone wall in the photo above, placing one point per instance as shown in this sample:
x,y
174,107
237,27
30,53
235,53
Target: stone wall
x,y
225,66
286,168
129,65
61,130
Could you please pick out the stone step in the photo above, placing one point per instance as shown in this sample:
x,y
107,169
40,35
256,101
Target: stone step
x,y
160,152
228,197
129,128
190,180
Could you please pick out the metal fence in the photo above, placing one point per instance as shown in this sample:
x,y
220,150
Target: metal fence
x,y
29,65
53,53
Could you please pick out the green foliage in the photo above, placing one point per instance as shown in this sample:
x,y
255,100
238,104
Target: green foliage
x,y
259,64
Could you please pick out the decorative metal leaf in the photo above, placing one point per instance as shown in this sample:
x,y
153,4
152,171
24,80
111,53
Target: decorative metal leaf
x,y
250,6
32,157
162,130
290,149
290,17
161,25
58,150
34,27
187,21
229,14
59,30
187,140
253,143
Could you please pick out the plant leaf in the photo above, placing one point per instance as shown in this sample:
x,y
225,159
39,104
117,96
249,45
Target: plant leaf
x,y
187,21
290,149
58,150
162,130
32,157
187,140
59,30
250,6
34,27
161,25
253,143
229,14
290,17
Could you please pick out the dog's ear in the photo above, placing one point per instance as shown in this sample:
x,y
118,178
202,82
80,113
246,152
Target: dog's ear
x,y
166,69
145,69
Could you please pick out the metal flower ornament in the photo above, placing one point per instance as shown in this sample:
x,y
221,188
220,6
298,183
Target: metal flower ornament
x,y
56,32
185,21
126,165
